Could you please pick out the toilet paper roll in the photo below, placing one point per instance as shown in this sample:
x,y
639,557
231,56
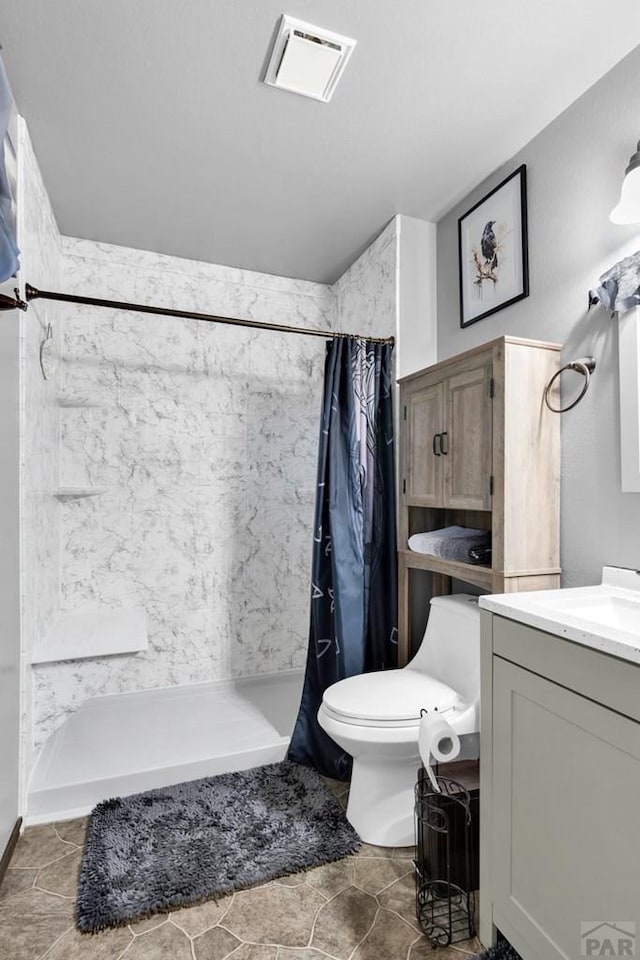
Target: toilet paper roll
x,y
436,738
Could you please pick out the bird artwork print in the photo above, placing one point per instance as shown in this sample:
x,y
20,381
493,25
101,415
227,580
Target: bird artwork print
x,y
485,256
489,245
493,266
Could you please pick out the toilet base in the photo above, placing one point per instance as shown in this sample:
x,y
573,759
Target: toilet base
x,y
381,801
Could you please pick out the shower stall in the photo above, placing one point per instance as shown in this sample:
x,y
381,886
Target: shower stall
x,y
169,467
184,510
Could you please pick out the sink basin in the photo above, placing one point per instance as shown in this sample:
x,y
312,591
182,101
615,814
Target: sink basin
x,y
606,615
607,610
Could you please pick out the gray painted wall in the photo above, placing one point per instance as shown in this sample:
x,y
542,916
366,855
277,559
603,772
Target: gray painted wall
x,y
9,578
574,173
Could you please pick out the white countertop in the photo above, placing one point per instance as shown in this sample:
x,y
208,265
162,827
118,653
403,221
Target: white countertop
x,y
605,617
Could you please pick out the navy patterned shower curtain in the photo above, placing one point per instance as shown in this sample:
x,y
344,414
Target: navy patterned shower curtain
x,y
353,626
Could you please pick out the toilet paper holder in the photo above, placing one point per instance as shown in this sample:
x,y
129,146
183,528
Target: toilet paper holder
x,y
446,864
437,739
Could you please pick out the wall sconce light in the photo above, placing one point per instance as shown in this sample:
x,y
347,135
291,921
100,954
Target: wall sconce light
x,y
628,207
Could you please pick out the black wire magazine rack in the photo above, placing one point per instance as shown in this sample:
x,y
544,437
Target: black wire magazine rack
x,y
446,860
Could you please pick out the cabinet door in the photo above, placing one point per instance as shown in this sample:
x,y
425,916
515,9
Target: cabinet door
x,y
566,843
468,457
423,460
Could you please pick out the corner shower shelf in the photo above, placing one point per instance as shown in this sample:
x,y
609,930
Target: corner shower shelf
x,y
78,493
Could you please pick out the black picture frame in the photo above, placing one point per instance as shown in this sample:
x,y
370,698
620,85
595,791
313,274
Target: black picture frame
x,y
493,255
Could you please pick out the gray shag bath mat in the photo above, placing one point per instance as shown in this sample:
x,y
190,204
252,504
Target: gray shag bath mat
x,y
501,951
173,847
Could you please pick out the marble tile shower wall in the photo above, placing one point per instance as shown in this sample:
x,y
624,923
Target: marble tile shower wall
x,y
365,296
40,581
205,440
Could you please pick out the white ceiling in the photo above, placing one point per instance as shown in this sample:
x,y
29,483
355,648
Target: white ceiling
x,y
153,129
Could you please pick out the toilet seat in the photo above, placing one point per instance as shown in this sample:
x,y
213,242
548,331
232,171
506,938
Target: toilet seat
x,y
392,698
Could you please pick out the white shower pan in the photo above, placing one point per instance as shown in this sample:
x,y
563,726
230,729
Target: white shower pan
x,y
120,744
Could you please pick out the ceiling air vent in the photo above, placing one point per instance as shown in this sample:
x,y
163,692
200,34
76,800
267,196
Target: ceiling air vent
x,y
307,60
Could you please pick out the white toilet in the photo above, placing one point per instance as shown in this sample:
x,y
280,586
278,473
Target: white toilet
x,y
375,718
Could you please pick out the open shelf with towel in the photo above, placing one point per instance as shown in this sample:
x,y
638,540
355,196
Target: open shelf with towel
x,y
479,449
478,575
422,520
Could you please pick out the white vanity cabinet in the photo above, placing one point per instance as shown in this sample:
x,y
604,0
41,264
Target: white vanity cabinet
x,y
560,794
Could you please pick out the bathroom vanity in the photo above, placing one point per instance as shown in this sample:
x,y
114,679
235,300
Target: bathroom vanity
x,y
560,770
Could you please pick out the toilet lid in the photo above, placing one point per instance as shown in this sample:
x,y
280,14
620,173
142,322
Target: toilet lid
x,y
389,695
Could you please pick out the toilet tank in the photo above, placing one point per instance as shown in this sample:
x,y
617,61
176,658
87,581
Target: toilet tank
x,y
450,648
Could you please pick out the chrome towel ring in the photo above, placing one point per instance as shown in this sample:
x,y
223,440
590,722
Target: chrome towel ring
x,y
585,366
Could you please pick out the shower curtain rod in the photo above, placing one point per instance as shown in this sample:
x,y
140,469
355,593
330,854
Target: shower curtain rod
x,y
32,293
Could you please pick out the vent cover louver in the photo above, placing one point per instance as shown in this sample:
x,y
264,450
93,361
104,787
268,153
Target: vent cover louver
x,y
307,60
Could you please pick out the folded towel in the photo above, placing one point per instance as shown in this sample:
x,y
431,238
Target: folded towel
x,y
458,549
449,543
447,533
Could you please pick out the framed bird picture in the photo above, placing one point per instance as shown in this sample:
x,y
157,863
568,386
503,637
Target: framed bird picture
x,y
492,250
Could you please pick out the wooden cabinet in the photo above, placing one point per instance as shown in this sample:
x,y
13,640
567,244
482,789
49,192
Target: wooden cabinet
x,y
466,443
447,445
423,413
479,448
560,784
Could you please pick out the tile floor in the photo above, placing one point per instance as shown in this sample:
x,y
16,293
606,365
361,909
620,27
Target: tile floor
x,y
361,908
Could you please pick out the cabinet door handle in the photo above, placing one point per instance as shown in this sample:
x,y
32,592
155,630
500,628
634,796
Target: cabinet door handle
x,y
444,449
436,444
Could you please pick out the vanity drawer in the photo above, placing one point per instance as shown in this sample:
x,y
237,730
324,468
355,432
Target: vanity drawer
x,y
605,679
